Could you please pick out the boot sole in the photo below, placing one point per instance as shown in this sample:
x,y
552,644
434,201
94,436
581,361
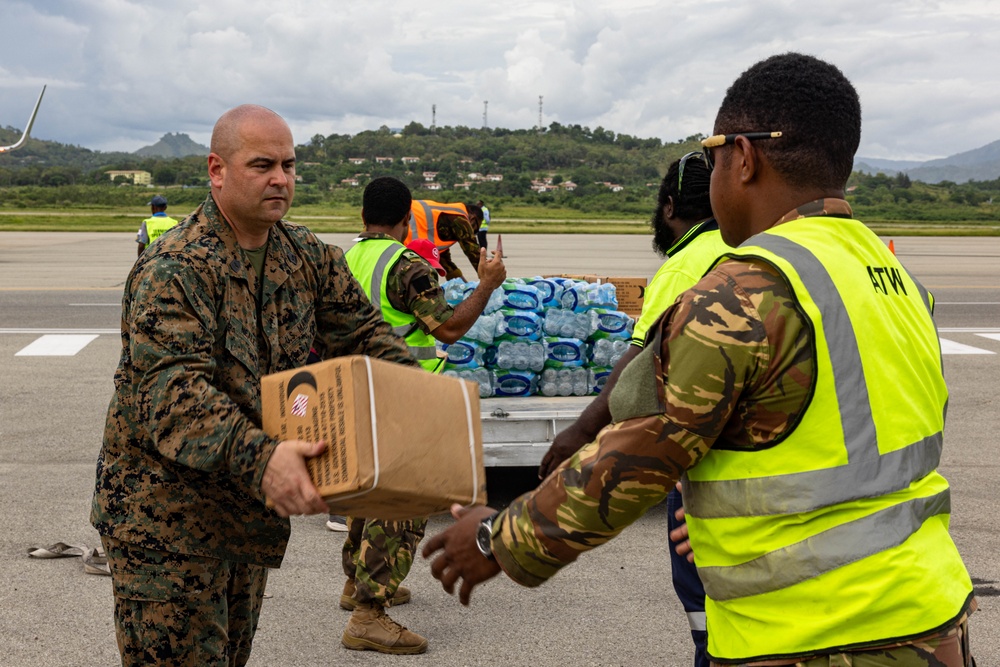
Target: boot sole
x,y
347,603
358,644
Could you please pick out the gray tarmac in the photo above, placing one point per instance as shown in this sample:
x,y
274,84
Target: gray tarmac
x,y
615,606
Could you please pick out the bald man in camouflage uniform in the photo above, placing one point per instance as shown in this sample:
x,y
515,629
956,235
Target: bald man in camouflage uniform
x,y
234,293
377,554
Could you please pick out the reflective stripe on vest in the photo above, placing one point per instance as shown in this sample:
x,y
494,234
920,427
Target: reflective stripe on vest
x,y
867,473
420,345
426,228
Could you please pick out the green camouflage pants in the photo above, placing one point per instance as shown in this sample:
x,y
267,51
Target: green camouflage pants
x,y
951,650
378,555
179,610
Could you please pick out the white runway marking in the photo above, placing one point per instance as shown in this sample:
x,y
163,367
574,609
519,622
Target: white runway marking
x,y
56,345
53,330
991,336
951,347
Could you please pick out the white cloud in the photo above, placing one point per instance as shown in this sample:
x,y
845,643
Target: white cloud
x,y
121,73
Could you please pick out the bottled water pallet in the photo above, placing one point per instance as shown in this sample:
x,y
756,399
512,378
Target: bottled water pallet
x,y
517,431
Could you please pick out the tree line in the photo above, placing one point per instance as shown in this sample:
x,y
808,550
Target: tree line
x,y
47,173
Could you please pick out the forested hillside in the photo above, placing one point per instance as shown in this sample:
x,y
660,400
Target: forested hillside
x,y
594,171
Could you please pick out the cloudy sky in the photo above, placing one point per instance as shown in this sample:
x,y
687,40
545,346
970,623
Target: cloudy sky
x,y
121,73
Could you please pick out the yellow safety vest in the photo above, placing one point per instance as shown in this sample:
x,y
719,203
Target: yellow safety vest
x,y
370,261
157,225
835,537
688,260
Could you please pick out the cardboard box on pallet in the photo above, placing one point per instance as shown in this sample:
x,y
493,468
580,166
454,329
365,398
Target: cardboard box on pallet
x,y
401,442
630,290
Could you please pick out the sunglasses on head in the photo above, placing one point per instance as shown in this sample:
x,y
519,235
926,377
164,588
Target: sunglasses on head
x,y
680,167
717,140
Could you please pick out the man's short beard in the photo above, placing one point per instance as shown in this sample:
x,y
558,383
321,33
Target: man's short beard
x,y
663,237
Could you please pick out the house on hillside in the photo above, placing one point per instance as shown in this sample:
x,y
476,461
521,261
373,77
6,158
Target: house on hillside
x,y
429,176
432,186
409,160
386,160
356,160
137,176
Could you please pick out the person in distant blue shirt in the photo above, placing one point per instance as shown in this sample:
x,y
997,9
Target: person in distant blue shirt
x,y
153,226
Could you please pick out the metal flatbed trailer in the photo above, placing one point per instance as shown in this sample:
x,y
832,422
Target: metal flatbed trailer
x,y
517,431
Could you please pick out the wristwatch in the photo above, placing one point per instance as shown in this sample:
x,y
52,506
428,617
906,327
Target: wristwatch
x,y
484,536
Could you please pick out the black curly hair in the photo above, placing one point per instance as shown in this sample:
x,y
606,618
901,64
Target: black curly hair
x,y
690,197
812,104
385,202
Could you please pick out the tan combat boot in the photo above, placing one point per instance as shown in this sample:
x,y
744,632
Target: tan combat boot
x,y
370,628
348,602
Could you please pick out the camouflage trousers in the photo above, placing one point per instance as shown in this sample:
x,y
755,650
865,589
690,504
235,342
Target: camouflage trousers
x,y
378,555
180,610
950,650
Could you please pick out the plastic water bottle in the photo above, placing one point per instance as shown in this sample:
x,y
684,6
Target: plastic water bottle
x,y
583,296
612,324
564,382
495,301
521,296
597,377
618,349
549,290
454,291
574,296
520,324
464,354
565,352
569,324
481,376
520,355
607,351
484,329
515,383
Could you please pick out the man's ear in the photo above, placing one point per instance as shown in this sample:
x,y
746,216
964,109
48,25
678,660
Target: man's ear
x,y
748,160
668,209
216,170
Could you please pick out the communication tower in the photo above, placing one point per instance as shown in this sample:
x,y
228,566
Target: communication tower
x,y
539,113
434,113
486,104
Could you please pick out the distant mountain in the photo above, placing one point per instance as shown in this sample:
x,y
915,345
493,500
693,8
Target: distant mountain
x,y
979,164
173,145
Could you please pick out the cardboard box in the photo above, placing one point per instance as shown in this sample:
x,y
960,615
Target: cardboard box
x,y
630,290
401,442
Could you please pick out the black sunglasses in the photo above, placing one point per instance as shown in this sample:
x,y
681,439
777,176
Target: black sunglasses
x,y
680,168
722,139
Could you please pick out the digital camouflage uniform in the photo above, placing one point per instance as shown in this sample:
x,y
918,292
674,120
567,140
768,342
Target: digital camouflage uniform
x,y
378,554
178,498
745,379
457,228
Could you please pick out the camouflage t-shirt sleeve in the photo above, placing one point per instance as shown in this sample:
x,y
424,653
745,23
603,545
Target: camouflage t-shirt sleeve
x,y
734,367
458,228
413,288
